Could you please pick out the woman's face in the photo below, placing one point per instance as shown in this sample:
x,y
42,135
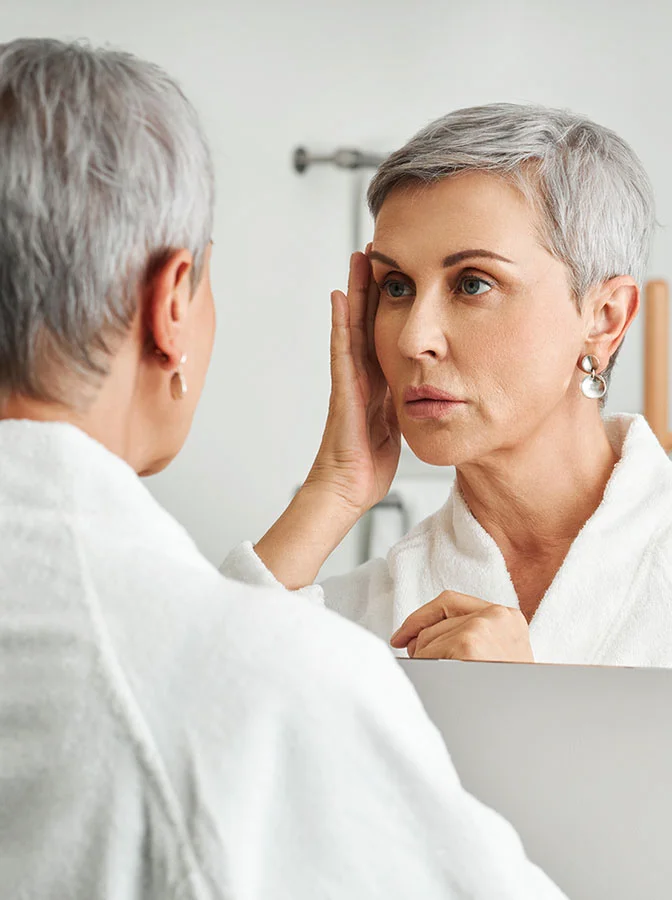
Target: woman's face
x,y
472,305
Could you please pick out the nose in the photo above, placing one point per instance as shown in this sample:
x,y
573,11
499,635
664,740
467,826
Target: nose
x,y
423,336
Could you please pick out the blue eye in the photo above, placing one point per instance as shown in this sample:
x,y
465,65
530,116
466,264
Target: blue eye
x,y
397,289
472,285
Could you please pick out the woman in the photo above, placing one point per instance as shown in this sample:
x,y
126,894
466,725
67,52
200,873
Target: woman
x,y
164,732
509,246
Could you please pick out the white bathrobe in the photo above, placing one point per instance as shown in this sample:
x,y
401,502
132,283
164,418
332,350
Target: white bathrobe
x,y
167,734
610,603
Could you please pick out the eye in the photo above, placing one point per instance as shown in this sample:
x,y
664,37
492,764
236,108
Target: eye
x,y
472,285
396,289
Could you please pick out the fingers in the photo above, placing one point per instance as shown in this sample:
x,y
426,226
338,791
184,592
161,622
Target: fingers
x,y
342,365
372,301
469,645
498,633
453,646
445,606
358,293
458,642
442,630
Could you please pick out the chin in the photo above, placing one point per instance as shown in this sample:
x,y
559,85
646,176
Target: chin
x,y
159,456
156,466
159,462
438,449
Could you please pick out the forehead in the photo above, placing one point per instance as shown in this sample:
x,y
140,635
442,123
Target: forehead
x,y
473,209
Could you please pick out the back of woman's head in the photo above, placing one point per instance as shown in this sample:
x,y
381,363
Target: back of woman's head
x,y
103,170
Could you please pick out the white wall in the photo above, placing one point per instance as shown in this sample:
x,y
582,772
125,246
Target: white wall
x,y
271,74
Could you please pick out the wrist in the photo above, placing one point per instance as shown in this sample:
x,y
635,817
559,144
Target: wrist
x,y
324,502
296,546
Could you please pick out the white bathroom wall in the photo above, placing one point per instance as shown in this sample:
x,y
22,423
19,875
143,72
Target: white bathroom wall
x,y
272,74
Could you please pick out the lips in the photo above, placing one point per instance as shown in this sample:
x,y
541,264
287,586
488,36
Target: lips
x,y
428,392
428,402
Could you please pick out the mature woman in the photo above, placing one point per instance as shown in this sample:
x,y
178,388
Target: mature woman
x,y
164,732
510,243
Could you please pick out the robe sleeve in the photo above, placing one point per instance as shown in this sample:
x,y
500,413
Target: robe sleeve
x,y
365,595
243,564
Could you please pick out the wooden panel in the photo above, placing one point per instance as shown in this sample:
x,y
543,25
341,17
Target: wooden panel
x,y
656,360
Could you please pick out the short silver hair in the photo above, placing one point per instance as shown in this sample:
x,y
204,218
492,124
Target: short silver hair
x,y
595,200
104,170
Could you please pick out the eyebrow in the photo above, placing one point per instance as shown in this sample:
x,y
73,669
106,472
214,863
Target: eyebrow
x,y
449,261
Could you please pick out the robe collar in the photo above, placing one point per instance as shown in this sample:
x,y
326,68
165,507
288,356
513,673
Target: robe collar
x,y
595,586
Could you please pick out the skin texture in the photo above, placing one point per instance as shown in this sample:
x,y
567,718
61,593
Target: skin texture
x,y
134,413
504,337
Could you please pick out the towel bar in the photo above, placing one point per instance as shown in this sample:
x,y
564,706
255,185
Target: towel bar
x,y
343,158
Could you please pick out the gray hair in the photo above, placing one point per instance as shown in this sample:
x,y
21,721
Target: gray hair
x,y
594,197
103,170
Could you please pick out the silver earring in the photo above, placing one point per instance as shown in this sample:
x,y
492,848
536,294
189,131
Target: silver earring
x,y
593,385
178,384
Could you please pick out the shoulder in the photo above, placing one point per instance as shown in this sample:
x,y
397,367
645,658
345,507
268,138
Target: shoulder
x,y
201,636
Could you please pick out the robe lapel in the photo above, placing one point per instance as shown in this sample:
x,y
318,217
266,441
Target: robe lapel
x,y
594,590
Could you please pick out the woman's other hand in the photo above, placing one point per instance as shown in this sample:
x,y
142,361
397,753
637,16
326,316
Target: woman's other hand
x,y
359,453
457,626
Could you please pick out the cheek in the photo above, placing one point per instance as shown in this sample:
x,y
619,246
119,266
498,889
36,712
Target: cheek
x,y
212,323
207,326
549,337
531,356
203,339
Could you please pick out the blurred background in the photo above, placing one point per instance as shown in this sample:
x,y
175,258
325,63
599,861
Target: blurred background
x,y
271,75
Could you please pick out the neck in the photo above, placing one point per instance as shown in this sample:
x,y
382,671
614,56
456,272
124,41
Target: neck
x,y
533,499
103,423
107,415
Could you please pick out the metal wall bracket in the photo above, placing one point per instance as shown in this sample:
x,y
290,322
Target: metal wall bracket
x,y
343,158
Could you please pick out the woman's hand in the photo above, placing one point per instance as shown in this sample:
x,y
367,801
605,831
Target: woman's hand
x,y
456,626
359,453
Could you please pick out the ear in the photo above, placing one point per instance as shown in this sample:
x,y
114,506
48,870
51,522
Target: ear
x,y
166,305
610,311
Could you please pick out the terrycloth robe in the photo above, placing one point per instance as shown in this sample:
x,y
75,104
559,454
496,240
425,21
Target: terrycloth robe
x,y
167,734
609,604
